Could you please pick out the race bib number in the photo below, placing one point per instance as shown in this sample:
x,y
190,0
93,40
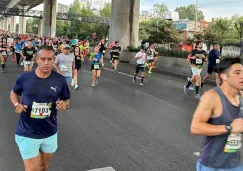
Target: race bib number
x,y
103,51
4,53
40,110
233,143
199,61
27,62
217,61
96,66
64,68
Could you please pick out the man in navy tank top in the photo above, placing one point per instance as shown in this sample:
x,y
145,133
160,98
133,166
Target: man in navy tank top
x,y
219,118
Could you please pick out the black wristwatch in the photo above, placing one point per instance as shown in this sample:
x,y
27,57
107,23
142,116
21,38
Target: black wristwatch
x,y
228,128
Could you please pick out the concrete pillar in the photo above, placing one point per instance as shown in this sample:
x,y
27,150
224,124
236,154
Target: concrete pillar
x,y
5,24
125,22
13,24
22,25
49,18
40,27
1,24
22,21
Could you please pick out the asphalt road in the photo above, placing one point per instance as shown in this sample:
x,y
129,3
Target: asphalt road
x,y
116,124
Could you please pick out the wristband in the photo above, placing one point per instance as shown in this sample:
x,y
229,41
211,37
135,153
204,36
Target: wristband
x,y
16,104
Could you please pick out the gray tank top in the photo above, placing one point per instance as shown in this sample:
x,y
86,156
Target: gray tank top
x,y
212,153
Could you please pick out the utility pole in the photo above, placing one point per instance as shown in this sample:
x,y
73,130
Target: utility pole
x,y
239,27
196,17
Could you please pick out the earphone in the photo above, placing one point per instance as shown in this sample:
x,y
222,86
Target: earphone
x,y
225,77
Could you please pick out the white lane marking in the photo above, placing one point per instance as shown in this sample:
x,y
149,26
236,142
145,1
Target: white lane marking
x,y
121,73
103,169
196,153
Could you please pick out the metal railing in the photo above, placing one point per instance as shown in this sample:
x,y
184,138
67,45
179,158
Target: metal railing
x,y
60,16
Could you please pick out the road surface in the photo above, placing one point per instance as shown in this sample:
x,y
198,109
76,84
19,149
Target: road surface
x,y
117,124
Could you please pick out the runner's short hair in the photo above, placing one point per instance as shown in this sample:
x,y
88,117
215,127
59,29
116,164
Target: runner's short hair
x,y
47,48
225,64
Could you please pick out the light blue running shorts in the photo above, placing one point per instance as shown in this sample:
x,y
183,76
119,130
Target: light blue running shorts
x,y
29,147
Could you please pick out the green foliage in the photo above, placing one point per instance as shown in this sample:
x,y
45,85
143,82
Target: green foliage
x,y
30,25
106,11
62,28
223,31
77,29
163,52
132,49
159,10
189,12
172,53
158,31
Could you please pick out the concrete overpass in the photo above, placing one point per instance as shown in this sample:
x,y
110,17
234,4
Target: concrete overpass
x,y
48,23
124,24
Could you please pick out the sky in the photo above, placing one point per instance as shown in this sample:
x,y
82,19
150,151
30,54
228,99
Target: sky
x,y
210,8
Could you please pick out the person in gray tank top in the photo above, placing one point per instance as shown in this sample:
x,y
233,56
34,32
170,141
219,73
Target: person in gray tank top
x,y
219,118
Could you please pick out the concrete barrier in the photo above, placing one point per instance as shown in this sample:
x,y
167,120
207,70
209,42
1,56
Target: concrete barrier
x,y
172,64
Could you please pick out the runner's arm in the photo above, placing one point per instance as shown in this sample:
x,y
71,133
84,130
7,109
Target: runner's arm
x,y
14,97
203,113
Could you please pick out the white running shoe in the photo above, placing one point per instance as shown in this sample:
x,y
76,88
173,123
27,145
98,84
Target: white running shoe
x,y
185,89
76,87
198,96
72,83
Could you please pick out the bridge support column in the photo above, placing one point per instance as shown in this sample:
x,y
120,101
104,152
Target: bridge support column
x,y
5,24
40,27
22,21
13,24
49,18
125,22
22,25
1,24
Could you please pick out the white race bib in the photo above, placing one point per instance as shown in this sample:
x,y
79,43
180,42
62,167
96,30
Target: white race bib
x,y
27,62
233,143
217,61
4,53
40,110
64,68
96,66
199,61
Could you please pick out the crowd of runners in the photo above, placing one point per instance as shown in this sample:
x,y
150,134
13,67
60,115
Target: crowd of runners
x,y
218,116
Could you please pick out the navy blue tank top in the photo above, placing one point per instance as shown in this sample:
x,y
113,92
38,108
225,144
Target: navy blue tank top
x,y
212,153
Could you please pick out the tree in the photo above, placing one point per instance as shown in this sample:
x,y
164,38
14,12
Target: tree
x,y
75,9
61,28
159,10
189,12
106,11
158,31
29,26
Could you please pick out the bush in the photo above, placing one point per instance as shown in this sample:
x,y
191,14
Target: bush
x,y
132,49
163,52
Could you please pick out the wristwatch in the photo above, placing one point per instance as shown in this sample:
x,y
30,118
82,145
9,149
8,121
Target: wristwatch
x,y
228,128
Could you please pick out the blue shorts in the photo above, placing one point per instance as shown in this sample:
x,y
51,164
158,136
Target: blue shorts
x,y
68,79
205,168
29,147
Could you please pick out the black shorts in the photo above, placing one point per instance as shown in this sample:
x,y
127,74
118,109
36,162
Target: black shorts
x,y
92,67
140,67
150,61
78,67
115,58
12,49
212,69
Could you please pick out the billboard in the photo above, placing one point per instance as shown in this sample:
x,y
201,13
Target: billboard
x,y
180,25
